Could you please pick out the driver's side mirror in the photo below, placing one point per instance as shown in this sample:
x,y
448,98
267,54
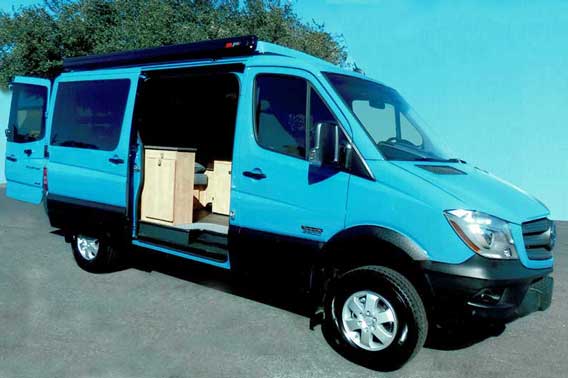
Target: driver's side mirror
x,y
326,149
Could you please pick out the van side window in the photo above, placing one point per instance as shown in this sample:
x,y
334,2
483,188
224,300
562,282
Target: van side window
x,y
89,114
281,114
27,115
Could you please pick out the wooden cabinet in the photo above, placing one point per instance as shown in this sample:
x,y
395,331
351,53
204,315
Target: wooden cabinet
x,y
167,197
221,191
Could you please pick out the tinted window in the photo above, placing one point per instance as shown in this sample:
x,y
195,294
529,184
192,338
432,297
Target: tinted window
x,y
27,114
319,112
89,114
281,114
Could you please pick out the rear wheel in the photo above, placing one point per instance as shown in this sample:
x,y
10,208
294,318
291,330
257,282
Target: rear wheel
x,y
375,317
94,254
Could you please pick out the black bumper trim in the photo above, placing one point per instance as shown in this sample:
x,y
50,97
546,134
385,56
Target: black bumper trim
x,y
478,267
459,289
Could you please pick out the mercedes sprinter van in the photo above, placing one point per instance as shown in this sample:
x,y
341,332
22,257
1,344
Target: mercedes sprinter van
x,y
239,153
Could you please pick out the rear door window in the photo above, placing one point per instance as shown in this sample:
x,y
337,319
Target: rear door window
x,y
27,116
89,114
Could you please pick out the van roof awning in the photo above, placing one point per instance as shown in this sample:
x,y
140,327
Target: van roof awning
x,y
213,49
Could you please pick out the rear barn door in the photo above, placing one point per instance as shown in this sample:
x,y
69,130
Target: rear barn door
x,y
26,139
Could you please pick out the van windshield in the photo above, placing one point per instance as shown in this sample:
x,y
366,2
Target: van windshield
x,y
388,119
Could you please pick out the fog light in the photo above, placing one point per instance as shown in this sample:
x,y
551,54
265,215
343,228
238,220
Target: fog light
x,y
489,296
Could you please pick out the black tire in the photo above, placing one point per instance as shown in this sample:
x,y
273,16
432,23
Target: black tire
x,y
105,260
412,322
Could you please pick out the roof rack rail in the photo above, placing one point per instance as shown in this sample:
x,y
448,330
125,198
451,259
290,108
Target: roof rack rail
x,y
213,49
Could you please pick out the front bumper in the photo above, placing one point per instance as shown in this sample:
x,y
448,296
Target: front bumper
x,y
488,289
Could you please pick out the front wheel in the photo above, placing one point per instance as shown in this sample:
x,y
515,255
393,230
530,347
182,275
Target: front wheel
x,y
94,254
375,317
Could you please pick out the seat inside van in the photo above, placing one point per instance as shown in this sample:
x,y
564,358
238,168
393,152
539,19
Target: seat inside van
x,y
273,134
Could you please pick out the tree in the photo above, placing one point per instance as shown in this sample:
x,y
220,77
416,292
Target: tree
x,y
35,39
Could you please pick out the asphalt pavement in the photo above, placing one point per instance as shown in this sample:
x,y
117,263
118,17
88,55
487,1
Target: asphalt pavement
x,y
167,318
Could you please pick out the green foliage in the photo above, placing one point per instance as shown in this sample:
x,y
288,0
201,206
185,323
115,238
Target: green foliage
x,y
34,40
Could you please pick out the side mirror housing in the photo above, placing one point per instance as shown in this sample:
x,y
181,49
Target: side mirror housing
x,y
326,149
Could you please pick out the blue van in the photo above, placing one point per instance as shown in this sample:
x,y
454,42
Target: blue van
x,y
239,153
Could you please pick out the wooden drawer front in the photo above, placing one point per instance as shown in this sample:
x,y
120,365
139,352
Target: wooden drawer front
x,y
163,154
159,189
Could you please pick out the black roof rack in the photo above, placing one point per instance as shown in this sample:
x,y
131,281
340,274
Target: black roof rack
x,y
213,49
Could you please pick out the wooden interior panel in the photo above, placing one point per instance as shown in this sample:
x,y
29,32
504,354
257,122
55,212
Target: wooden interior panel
x,y
221,191
184,179
167,197
159,190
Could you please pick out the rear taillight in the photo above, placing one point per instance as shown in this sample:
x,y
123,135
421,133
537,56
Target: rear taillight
x,y
45,187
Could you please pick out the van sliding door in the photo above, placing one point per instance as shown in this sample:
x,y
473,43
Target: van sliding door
x,y
89,140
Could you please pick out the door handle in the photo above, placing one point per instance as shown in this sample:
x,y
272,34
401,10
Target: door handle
x,y
28,152
116,160
11,158
255,174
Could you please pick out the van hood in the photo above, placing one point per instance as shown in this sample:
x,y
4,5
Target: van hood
x,y
478,190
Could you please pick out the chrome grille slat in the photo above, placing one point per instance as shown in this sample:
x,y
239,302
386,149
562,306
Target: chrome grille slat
x,y
536,227
537,240
539,254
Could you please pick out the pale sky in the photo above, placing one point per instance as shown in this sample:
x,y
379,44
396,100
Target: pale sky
x,y
490,77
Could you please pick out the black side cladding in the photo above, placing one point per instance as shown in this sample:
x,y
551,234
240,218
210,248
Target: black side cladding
x,y
78,216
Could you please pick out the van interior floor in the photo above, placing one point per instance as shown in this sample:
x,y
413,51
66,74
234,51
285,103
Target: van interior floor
x,y
205,216
208,221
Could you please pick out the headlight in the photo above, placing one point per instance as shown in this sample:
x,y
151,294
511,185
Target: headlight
x,y
486,235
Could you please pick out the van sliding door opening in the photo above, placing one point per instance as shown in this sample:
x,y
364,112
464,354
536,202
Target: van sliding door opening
x,y
187,127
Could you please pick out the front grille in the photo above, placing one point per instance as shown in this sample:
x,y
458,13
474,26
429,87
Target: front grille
x,y
537,236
